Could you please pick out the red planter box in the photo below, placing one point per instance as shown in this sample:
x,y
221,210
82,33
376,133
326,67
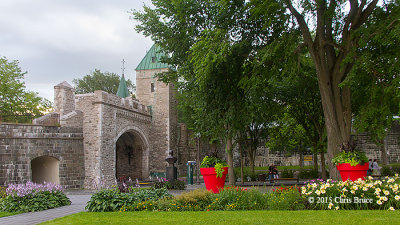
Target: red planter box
x,y
352,172
212,182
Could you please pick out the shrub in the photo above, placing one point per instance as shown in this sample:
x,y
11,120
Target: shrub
x,y
236,198
171,185
31,197
285,198
390,170
308,174
287,174
3,193
360,194
113,200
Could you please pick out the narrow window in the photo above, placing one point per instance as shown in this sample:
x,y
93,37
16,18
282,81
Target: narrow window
x,y
153,59
152,87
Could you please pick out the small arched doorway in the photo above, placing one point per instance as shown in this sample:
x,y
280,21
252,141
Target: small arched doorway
x,y
130,156
45,169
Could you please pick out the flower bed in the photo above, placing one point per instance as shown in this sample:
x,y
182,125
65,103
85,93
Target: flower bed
x,y
31,197
228,199
360,194
113,199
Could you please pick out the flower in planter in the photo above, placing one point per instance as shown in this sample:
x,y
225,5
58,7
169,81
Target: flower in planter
x,y
215,162
349,154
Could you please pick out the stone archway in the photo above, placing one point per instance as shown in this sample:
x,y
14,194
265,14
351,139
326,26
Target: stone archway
x,y
131,156
45,169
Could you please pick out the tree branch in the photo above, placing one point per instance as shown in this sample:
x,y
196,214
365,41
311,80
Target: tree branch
x,y
303,26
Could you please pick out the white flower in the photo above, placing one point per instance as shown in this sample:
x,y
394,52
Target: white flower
x,y
318,192
365,189
385,198
353,192
330,205
397,197
391,208
379,202
337,207
386,192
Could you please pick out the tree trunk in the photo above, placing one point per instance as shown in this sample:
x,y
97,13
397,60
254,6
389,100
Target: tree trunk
x,y
251,160
323,168
198,161
331,68
241,164
301,160
384,155
315,159
231,172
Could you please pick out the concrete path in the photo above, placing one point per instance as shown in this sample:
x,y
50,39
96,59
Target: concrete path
x,y
78,205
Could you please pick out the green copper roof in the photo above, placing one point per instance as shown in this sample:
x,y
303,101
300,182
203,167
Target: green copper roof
x,y
122,88
152,59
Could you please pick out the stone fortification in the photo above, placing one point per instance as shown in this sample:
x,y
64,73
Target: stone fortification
x,y
20,144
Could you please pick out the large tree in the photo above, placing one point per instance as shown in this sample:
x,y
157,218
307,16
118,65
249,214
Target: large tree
x,y
98,80
209,43
16,103
329,30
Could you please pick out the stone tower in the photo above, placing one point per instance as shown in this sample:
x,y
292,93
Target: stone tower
x,y
161,98
64,98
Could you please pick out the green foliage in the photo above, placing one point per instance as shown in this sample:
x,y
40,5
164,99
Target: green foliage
x,y
3,192
170,185
354,158
285,198
236,198
287,174
34,202
215,162
390,170
112,199
375,77
98,80
16,103
308,174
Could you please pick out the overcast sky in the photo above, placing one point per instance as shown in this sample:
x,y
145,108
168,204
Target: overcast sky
x,y
59,40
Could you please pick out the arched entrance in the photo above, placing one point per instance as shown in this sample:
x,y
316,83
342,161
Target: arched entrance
x,y
130,156
45,169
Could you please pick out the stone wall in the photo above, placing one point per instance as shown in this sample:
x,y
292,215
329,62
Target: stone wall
x,y
106,117
391,144
20,144
164,115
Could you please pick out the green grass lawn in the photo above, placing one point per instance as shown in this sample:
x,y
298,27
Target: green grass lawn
x,y
3,214
234,217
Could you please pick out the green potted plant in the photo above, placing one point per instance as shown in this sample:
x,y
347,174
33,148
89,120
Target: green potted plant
x,y
351,163
214,172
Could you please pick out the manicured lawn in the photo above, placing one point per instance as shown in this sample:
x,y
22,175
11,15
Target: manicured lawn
x,y
234,217
3,214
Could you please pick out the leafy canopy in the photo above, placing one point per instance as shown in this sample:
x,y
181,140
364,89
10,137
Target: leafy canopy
x,y
16,103
98,80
